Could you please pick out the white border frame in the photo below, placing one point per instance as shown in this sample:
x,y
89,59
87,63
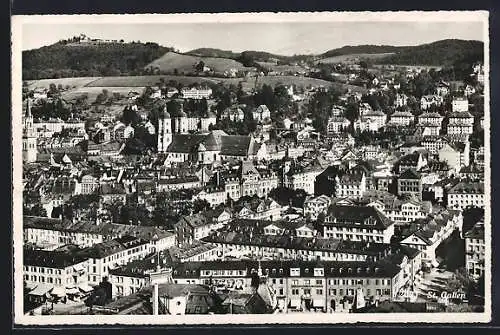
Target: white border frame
x,y
294,318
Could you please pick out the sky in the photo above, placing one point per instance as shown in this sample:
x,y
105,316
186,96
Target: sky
x,y
285,38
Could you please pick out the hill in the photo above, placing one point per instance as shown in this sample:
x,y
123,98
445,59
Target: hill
x,y
361,49
172,61
353,58
440,53
68,58
211,52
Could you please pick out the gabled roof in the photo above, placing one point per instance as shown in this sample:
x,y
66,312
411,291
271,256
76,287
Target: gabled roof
x,y
410,174
358,215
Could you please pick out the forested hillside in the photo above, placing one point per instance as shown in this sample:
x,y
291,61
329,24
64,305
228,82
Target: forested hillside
x,y
70,59
440,53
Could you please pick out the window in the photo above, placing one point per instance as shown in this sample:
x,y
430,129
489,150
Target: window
x,y
319,291
319,282
307,282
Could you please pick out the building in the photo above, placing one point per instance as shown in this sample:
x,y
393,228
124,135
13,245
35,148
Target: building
x,y
377,117
57,271
443,88
253,181
196,93
111,254
313,206
261,113
358,223
433,143
460,123
400,211
48,233
177,183
164,130
260,209
337,124
434,230
466,194
211,147
459,105
29,137
213,195
195,227
301,285
88,184
429,100
433,119
475,250
401,118
410,184
350,185
234,114
455,154
298,177
400,100
416,161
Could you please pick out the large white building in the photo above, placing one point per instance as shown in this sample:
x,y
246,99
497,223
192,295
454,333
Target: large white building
x,y
460,123
358,223
55,271
112,254
196,93
401,118
466,194
434,119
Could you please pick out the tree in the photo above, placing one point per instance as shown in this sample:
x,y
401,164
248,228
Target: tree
x,y
200,66
36,210
200,205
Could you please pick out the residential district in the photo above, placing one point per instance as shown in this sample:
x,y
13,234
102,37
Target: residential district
x,y
208,199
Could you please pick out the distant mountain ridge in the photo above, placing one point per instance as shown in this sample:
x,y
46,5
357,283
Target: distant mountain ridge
x,y
64,59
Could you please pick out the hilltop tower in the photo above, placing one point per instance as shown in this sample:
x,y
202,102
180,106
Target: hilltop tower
x,y
29,137
164,130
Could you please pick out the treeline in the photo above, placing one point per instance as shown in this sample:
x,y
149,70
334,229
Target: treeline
x,y
361,49
112,59
442,53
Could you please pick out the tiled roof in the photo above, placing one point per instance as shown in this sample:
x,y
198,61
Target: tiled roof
x,y
340,215
51,259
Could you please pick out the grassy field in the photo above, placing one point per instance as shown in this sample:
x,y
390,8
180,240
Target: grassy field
x,y
93,92
353,58
284,80
281,68
72,82
186,63
143,81
93,86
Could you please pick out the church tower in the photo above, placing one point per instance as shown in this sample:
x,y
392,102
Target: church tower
x,y
164,130
29,137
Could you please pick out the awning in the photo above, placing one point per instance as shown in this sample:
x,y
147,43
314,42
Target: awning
x,y
85,288
30,286
294,303
78,267
318,303
42,289
72,290
59,291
